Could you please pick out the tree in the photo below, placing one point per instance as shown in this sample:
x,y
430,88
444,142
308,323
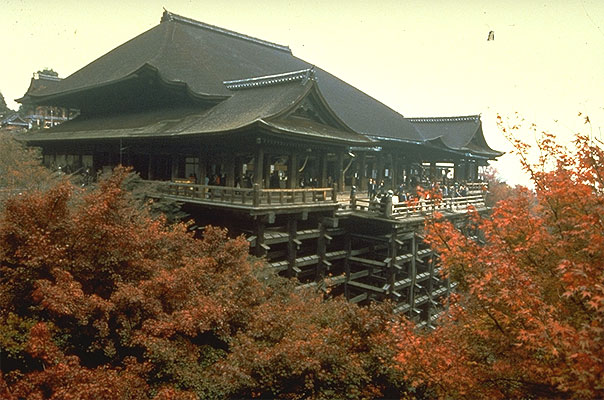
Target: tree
x,y
498,188
20,167
3,107
527,320
100,300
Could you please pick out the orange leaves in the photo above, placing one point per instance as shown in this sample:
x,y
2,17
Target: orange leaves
x,y
528,318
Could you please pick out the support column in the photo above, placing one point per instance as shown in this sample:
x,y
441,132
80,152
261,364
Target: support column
x,y
380,167
292,171
363,173
292,246
323,178
348,247
261,249
202,169
396,173
239,170
267,172
432,303
230,171
321,250
340,171
390,163
413,275
259,166
392,253
174,172
149,169
432,171
407,174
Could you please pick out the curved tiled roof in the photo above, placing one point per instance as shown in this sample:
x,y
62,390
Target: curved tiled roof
x,y
462,133
259,106
213,63
184,51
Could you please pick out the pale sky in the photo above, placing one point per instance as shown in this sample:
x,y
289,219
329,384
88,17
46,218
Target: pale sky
x,y
421,58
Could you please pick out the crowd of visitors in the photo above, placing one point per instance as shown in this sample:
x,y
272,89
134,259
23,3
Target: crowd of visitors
x,y
447,188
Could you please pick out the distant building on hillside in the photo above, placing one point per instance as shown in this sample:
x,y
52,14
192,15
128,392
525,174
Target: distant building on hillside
x,y
44,116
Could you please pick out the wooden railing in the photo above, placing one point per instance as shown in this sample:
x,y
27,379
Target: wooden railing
x,y
417,207
254,197
423,206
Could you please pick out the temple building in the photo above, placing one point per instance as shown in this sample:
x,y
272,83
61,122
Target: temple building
x,y
197,106
190,99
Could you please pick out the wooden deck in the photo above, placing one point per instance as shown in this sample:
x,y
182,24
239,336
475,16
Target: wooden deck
x,y
361,249
254,199
282,200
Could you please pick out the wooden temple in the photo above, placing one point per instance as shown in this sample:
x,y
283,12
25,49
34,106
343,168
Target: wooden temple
x,y
250,137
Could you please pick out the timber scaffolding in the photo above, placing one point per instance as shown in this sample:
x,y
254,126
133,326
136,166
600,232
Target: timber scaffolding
x,y
345,245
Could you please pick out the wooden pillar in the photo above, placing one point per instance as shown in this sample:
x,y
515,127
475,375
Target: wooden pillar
x,y
292,246
363,173
473,172
380,167
174,172
323,178
413,275
389,164
259,166
432,303
392,253
267,171
261,248
292,171
239,169
321,250
395,172
340,171
202,169
149,169
230,171
348,247
432,171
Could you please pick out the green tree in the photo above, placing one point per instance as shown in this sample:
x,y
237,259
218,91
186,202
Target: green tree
x,y
3,107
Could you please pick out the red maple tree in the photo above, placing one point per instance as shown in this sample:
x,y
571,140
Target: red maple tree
x,y
98,299
527,320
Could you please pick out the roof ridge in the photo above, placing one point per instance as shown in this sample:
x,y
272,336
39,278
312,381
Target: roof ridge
x,y
168,16
268,80
39,75
445,119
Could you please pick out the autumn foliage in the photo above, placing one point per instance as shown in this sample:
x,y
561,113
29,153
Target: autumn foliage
x,y
527,320
101,301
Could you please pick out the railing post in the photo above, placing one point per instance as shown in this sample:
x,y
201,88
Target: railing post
x,y
256,195
388,206
334,193
353,198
